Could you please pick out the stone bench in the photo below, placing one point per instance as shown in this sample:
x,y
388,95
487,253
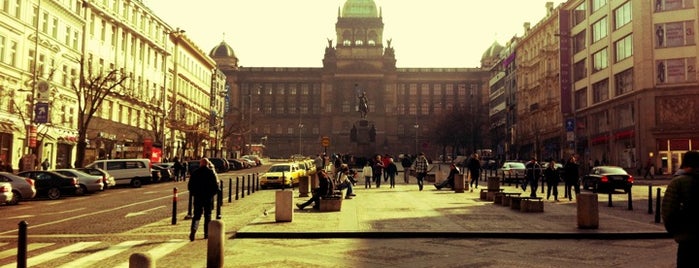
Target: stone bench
x,y
532,205
332,203
489,194
500,198
516,201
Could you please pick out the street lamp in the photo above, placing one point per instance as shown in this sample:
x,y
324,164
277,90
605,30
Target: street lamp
x,y
416,126
300,129
176,32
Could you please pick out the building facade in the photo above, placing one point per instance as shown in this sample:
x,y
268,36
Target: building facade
x,y
294,108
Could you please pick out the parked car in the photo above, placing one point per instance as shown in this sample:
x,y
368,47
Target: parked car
x,y
107,179
88,183
220,164
247,162
52,184
132,172
22,188
5,193
237,163
512,171
607,178
256,159
286,174
166,174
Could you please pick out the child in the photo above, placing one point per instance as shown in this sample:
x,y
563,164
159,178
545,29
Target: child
x,y
367,172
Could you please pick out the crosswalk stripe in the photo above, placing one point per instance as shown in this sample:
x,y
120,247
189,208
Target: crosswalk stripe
x,y
54,254
101,255
160,251
30,247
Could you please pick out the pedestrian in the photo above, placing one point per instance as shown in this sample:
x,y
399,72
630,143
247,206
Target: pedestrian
x,y
203,186
342,181
571,176
421,168
532,173
384,160
177,168
325,188
680,210
46,164
391,171
474,168
649,169
377,170
552,176
449,182
406,163
367,173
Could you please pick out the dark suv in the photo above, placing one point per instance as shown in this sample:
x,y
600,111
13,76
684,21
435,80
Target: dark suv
x,y
220,164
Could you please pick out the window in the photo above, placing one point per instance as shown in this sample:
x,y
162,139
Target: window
x,y
599,29
599,60
54,28
663,5
45,22
579,41
581,99
5,5
13,54
623,82
2,49
579,70
35,17
622,15
625,115
600,91
623,48
597,4
579,14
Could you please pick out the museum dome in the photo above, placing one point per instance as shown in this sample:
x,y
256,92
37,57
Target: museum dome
x,y
222,50
493,51
360,9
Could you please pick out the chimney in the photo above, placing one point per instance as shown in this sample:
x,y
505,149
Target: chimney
x,y
527,27
549,8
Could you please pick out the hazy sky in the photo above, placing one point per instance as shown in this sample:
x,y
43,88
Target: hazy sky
x,y
288,33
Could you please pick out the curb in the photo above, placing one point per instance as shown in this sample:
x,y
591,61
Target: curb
x,y
492,235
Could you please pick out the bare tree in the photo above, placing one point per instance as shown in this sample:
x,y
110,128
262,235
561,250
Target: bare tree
x,y
91,90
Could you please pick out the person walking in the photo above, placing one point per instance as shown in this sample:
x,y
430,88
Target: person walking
x,y
391,171
377,170
680,209
203,186
649,169
46,164
367,173
532,175
571,175
177,168
474,168
421,168
552,176
406,163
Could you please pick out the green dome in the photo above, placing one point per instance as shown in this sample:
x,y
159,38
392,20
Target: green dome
x,y
360,9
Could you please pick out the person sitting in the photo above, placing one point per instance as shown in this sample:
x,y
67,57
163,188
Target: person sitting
x,y
449,182
343,182
325,188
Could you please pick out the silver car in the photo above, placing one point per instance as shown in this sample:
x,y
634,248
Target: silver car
x,y
88,183
22,188
107,179
5,192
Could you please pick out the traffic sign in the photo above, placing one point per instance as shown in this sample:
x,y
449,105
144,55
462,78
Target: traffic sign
x,y
325,141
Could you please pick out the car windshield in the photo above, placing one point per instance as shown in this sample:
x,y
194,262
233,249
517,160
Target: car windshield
x,y
514,165
279,169
612,170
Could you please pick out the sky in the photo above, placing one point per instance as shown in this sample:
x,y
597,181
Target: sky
x,y
294,33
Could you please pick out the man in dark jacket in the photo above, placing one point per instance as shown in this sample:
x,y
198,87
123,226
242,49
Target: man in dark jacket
x,y
532,175
406,163
325,188
571,176
680,210
203,186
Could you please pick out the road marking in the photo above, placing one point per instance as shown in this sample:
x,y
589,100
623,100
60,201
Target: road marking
x,y
30,247
142,212
91,259
20,217
65,211
89,214
54,254
160,251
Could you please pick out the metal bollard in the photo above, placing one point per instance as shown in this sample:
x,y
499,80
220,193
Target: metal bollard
x,y
248,184
141,260
237,182
657,206
219,200
610,198
215,244
630,201
242,188
22,245
174,206
230,189
542,185
650,199
253,183
189,208
257,185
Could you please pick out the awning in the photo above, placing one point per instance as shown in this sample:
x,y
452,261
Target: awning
x,y
9,128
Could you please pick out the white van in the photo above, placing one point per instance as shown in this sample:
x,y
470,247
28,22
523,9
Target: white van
x,y
132,172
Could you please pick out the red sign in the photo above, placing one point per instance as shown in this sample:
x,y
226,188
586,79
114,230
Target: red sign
x,y
147,148
32,136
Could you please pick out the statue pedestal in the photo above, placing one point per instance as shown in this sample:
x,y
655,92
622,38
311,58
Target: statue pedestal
x,y
364,136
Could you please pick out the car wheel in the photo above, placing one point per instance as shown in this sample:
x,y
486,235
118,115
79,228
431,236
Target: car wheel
x,y
82,190
16,196
54,193
136,183
595,188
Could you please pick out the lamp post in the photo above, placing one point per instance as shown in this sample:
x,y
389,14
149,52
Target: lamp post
x,y
164,97
300,130
416,126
